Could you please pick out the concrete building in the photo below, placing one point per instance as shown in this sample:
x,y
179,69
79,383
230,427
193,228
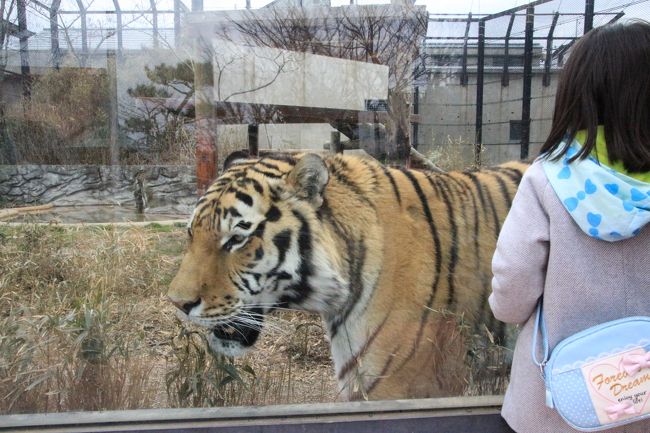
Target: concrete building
x,y
447,106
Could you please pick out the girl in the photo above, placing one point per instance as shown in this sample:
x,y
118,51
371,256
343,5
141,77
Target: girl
x,y
577,230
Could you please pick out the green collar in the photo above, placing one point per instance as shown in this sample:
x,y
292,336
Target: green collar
x,y
600,153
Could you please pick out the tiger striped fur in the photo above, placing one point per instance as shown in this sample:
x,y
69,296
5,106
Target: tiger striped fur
x,y
389,258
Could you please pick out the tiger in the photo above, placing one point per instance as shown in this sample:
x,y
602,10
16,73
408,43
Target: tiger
x,y
390,258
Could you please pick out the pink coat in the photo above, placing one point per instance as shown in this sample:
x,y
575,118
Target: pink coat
x,y
585,281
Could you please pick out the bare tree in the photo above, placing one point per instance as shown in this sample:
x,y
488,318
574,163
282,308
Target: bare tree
x,y
7,29
383,35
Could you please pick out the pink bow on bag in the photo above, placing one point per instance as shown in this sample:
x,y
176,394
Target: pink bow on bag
x,y
620,409
632,363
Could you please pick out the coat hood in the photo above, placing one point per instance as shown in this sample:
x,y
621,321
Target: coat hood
x,y
605,203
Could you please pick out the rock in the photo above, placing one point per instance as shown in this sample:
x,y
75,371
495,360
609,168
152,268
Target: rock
x,y
167,187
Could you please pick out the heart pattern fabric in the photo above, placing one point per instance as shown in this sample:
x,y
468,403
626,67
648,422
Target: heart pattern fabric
x,y
606,204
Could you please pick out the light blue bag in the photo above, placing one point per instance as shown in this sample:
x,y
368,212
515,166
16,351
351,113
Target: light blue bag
x,y
599,378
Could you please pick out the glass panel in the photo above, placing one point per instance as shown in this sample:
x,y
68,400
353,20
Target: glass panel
x,y
124,118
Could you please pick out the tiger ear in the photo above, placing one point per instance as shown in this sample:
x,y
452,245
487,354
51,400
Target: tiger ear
x,y
308,178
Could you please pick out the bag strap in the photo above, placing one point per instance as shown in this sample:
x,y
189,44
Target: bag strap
x,y
540,327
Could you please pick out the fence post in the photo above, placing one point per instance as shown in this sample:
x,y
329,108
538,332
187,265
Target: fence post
x,y
177,24
335,142
54,33
111,75
505,78
480,68
83,19
549,52
253,140
206,144
463,76
24,48
118,26
528,76
589,15
416,111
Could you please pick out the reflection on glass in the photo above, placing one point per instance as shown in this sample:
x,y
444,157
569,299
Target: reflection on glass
x,y
125,111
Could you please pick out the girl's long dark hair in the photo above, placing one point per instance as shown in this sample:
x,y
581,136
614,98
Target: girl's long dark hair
x,y
606,81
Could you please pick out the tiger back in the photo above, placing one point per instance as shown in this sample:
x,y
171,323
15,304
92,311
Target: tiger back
x,y
396,262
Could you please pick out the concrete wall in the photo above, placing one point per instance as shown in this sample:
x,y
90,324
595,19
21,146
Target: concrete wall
x,y
273,76
448,112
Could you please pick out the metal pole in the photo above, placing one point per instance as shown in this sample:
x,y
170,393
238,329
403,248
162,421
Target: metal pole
x,y
335,142
528,76
84,30
177,23
505,78
154,21
206,143
24,47
111,71
463,76
480,68
546,81
253,140
589,15
416,111
118,26
54,33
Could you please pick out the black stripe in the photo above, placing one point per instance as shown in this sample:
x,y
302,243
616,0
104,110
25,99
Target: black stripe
x,y
503,188
282,242
266,173
356,259
470,193
393,183
325,213
354,359
301,290
383,371
244,198
284,157
259,253
436,252
434,179
273,214
256,185
373,169
259,231
479,189
513,174
269,165
244,225
453,248
342,178
495,214
239,287
232,211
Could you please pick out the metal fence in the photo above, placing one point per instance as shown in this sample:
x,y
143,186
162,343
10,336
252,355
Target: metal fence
x,y
486,83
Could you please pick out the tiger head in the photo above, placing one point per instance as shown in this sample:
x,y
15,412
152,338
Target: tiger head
x,y
256,244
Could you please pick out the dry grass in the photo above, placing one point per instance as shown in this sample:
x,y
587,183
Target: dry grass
x,y
84,326
452,153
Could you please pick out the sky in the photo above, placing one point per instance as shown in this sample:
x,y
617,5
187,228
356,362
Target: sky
x,y
568,26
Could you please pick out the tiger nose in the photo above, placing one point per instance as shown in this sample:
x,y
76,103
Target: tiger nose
x,y
183,304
